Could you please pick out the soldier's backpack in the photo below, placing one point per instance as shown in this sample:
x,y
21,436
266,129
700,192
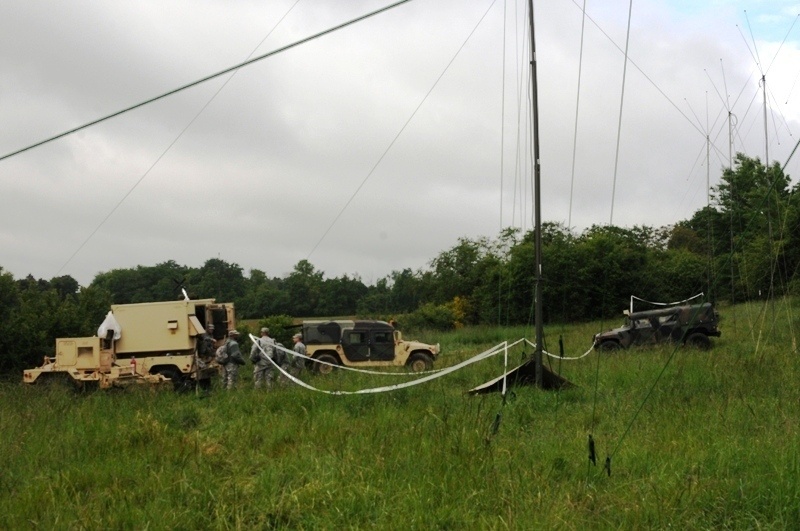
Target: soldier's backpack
x,y
221,356
205,346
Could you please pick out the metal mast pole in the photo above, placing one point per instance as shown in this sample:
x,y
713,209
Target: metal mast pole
x,y
537,207
766,128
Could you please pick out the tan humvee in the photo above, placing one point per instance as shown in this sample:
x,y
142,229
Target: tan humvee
x,y
157,342
364,343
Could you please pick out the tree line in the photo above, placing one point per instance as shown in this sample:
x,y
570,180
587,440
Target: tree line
x,y
744,245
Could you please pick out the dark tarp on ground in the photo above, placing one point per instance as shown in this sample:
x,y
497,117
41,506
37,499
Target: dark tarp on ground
x,y
524,374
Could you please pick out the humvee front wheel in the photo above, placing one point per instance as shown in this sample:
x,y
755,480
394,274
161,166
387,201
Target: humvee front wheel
x,y
419,361
324,368
609,346
698,340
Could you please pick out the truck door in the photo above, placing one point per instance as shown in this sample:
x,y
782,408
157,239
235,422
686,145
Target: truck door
x,y
355,344
381,345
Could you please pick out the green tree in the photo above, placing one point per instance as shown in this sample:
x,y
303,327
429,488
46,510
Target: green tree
x,y
263,296
376,301
217,279
304,286
9,335
407,290
755,203
339,296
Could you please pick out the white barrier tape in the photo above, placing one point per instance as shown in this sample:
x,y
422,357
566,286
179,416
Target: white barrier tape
x,y
478,357
559,357
664,303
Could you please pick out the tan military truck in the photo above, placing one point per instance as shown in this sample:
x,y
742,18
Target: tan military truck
x,y
363,344
142,343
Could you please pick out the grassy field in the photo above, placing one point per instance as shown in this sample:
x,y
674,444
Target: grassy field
x,y
697,440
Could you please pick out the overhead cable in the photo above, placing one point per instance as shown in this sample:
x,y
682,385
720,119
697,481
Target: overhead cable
x,y
207,78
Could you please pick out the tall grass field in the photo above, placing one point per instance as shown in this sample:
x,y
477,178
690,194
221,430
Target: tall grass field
x,y
696,440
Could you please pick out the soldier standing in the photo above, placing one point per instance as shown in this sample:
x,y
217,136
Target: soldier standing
x,y
262,350
230,358
205,354
297,363
205,346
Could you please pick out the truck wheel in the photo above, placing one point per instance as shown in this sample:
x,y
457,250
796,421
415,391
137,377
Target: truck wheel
x,y
609,346
419,361
322,368
56,380
698,340
180,383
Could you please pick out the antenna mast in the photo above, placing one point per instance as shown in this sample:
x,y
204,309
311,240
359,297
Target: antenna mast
x,y
537,207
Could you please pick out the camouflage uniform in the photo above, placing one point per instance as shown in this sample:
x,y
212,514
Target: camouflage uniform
x,y
230,365
297,363
263,371
205,348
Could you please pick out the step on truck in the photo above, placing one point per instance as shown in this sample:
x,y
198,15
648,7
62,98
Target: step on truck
x,y
363,343
149,342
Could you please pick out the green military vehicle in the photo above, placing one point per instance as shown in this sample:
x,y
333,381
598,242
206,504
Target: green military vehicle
x,y
364,343
142,343
692,325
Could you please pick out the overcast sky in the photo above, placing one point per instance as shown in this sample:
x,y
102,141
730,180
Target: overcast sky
x,y
260,176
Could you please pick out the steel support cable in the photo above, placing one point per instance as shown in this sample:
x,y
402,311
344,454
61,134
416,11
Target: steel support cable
x,y
637,67
400,132
650,391
782,43
208,78
613,193
784,231
577,108
744,116
594,418
522,78
752,220
791,89
163,153
725,103
621,106
502,156
754,51
776,108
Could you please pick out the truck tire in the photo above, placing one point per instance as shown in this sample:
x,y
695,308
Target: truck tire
x,y
609,346
323,368
56,380
420,361
180,383
698,340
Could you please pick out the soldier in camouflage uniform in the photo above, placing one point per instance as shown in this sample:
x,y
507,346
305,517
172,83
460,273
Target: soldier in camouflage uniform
x,y
296,363
263,370
205,347
230,358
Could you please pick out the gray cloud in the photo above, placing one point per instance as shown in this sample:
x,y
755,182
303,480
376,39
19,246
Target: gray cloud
x,y
261,174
